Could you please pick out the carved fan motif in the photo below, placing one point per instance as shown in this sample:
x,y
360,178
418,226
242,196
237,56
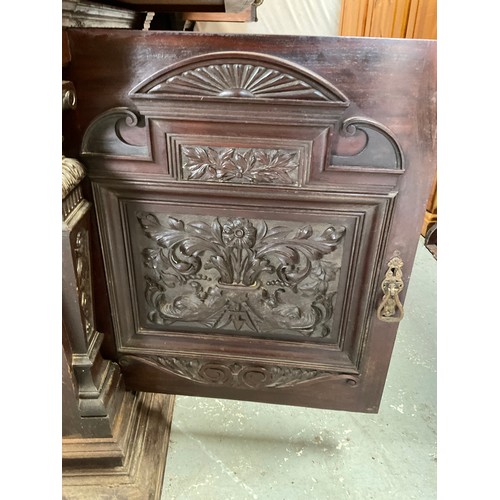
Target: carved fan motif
x,y
238,80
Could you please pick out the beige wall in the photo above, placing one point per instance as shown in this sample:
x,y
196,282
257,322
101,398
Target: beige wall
x,y
286,17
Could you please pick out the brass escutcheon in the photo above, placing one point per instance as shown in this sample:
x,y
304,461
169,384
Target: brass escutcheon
x,y
390,309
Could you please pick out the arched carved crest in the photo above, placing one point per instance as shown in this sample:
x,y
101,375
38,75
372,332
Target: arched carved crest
x,y
222,88
239,75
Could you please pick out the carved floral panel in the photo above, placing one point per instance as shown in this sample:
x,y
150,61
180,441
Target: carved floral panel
x,y
240,165
238,275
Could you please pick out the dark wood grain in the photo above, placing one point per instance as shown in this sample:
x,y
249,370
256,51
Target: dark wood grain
x,y
158,142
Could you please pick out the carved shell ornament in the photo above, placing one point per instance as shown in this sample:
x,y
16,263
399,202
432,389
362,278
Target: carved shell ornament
x,y
240,74
238,80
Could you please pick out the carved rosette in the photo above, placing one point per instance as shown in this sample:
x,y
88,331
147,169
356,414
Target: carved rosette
x,y
240,165
240,375
241,275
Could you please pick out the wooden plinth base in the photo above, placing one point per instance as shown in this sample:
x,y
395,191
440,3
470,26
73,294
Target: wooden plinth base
x,y
131,464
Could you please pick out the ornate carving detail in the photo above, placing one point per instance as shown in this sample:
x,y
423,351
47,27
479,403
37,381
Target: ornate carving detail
x,y
72,174
241,375
240,74
240,165
242,275
83,280
106,135
367,143
238,80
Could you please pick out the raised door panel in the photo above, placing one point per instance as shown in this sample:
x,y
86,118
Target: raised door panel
x,y
258,224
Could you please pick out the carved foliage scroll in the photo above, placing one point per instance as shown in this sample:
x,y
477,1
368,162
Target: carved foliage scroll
x,y
240,374
241,275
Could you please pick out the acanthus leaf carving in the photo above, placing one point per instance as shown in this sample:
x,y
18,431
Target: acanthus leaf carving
x,y
241,275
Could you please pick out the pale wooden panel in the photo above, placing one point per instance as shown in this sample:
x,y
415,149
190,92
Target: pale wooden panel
x,y
353,17
387,18
422,20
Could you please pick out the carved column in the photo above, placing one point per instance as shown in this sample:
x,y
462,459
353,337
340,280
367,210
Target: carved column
x,y
97,380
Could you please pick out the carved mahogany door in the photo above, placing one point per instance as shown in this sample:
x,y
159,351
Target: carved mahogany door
x,y
259,201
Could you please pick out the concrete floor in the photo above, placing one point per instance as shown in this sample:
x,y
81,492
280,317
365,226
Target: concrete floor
x,y
224,450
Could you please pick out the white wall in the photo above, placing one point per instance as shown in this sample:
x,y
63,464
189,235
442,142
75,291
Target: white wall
x,y
286,17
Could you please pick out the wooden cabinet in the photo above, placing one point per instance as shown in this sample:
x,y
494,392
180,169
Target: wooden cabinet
x,y
259,202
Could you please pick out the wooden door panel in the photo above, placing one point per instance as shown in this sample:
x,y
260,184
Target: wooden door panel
x,y
336,244
249,207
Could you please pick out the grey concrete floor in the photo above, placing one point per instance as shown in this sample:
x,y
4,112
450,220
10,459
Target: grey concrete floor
x,y
221,449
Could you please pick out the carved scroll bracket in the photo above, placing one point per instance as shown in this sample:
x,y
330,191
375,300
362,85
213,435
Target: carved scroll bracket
x,y
108,135
364,142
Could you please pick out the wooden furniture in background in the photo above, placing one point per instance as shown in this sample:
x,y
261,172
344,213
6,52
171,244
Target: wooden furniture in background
x,y
395,19
258,222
